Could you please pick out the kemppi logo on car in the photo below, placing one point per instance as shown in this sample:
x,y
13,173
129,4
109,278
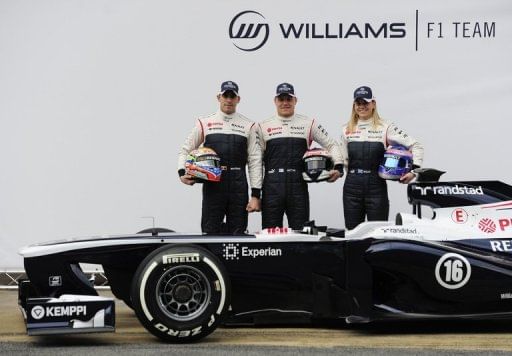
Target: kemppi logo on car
x,y
39,312
250,35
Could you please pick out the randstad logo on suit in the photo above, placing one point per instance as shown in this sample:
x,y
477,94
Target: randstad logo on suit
x,y
250,31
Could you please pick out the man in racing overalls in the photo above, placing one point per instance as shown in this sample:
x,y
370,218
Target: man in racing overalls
x,y
234,138
364,140
285,138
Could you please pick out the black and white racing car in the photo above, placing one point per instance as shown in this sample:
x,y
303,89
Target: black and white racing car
x,y
455,263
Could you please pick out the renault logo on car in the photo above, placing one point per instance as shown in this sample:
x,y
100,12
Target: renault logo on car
x,y
247,31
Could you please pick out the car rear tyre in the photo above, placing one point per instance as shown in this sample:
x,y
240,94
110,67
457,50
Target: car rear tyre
x,y
180,293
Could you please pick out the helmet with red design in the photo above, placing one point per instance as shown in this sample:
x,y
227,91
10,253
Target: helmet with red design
x,y
203,163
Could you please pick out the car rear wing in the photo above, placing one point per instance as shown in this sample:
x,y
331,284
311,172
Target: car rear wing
x,y
456,194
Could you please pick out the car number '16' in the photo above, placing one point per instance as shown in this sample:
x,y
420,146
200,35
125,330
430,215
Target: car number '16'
x,y
452,271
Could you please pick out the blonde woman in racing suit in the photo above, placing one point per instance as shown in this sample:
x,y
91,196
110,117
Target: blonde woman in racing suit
x,y
364,140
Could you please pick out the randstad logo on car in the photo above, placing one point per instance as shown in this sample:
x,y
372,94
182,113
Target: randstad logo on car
x,y
449,190
233,251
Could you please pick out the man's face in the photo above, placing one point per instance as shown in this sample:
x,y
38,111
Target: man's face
x,y
285,105
228,102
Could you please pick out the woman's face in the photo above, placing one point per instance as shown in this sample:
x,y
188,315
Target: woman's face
x,y
363,108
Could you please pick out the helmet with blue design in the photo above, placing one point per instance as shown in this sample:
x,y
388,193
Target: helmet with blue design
x,y
203,163
397,161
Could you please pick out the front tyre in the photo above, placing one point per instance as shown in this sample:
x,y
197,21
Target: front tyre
x,y
180,293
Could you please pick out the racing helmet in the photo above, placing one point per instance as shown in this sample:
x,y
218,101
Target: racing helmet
x,y
317,164
397,161
203,163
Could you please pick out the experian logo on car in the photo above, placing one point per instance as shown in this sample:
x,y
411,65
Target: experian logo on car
x,y
249,30
232,251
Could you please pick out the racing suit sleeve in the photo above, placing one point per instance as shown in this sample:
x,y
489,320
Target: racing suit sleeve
x,y
193,141
254,161
320,135
395,135
344,147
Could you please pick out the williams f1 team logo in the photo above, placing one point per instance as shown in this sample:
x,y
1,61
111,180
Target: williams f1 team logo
x,y
248,30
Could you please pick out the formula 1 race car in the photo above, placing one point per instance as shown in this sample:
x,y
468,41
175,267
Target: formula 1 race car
x,y
454,264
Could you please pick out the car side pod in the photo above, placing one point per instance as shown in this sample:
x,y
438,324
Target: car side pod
x,y
68,314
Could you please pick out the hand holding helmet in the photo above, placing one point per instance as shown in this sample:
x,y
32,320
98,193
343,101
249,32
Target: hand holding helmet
x,y
397,162
204,164
318,165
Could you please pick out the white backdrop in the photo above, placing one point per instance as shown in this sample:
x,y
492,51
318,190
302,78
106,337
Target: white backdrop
x,y
96,98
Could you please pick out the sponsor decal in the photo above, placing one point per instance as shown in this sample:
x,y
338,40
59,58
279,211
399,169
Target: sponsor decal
x,y
181,258
348,133
322,130
297,127
272,129
452,271
504,223
55,281
183,333
281,230
178,333
449,190
237,126
501,245
459,216
399,230
231,251
38,312
487,225
211,124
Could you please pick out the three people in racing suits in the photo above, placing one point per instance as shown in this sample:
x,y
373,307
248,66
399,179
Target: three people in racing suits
x,y
284,139
234,138
364,140
273,152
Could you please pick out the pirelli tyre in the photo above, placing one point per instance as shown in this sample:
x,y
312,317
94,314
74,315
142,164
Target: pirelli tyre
x,y
180,293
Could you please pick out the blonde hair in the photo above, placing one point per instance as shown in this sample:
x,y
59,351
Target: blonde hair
x,y
354,118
